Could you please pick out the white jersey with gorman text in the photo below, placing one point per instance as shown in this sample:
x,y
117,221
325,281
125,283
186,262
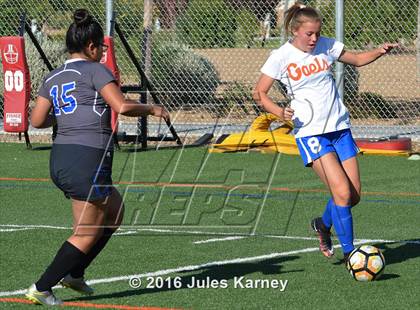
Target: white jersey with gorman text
x,y
309,81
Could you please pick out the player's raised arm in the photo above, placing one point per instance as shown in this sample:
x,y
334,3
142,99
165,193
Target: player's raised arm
x,y
364,58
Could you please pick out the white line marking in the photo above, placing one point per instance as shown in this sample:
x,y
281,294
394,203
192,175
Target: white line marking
x,y
218,239
291,237
34,226
14,293
65,70
210,264
14,229
205,265
179,269
195,232
128,232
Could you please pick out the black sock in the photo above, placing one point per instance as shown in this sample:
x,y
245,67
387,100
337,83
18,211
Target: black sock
x,y
66,258
79,270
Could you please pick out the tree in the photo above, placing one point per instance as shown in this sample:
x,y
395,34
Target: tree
x,y
418,44
207,24
258,7
169,11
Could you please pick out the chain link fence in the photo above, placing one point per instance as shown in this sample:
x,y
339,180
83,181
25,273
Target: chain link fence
x,y
203,56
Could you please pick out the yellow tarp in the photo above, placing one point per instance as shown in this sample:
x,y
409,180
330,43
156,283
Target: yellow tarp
x,y
261,138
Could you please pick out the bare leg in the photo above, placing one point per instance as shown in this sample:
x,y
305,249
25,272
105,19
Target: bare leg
x,y
343,181
114,208
88,220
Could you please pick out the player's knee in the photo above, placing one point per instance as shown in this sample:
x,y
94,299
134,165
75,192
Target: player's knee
x,y
342,197
85,241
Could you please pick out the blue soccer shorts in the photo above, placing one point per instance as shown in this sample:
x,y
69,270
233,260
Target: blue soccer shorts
x,y
313,147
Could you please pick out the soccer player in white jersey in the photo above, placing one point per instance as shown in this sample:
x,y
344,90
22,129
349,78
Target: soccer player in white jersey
x,y
321,121
80,95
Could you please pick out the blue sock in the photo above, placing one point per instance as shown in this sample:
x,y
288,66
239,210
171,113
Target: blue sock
x,y
326,216
343,225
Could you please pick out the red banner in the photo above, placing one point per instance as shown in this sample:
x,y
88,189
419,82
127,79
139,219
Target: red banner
x,y
17,84
109,60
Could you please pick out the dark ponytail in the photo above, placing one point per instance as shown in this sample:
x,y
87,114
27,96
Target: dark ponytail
x,y
82,31
298,14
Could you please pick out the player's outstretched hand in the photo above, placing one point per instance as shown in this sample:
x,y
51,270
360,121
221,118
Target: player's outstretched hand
x,y
288,113
387,47
160,111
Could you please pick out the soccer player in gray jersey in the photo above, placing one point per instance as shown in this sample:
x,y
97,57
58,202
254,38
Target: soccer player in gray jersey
x,y
81,94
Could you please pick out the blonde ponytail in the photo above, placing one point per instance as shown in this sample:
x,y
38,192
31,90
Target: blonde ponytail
x,y
298,14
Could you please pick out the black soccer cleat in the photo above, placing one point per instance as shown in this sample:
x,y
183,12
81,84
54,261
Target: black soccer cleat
x,y
324,235
346,257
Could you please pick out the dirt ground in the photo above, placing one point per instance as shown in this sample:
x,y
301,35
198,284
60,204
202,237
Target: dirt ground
x,y
392,76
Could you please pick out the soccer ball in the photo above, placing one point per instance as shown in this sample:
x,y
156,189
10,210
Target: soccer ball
x,y
366,263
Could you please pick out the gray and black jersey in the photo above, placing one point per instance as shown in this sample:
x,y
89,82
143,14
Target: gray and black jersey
x,y
83,117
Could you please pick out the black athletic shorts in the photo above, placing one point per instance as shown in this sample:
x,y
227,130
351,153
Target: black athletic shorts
x,y
81,172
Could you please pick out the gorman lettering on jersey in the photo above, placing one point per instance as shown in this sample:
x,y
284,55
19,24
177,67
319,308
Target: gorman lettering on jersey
x,y
295,72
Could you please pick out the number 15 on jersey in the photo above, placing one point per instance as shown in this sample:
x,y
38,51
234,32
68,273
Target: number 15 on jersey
x,y
62,93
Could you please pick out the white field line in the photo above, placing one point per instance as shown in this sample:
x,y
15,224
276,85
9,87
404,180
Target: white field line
x,y
183,269
128,232
243,237
219,239
14,229
205,265
35,226
122,231
179,269
195,232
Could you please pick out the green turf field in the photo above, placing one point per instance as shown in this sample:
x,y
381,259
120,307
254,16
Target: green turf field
x,y
231,219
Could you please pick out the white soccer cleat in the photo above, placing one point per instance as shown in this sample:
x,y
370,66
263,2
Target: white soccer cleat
x,y
77,284
42,298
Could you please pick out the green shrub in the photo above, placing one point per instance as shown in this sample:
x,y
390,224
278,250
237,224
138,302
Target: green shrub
x,y
247,28
11,12
55,52
207,24
9,21
374,105
237,96
130,17
351,83
351,90
370,22
182,77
